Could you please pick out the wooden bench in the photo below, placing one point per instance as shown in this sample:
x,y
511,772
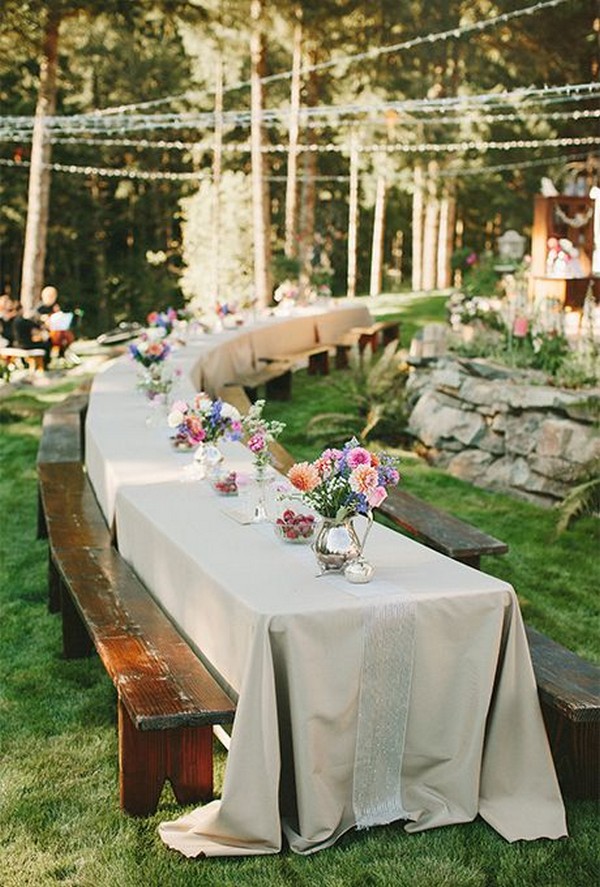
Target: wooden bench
x,y
168,700
33,358
437,529
569,692
317,358
379,334
275,376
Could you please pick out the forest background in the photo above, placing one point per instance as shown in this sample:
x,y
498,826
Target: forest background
x,y
132,193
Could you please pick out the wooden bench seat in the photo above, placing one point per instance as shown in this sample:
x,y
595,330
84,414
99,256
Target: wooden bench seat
x,y
569,692
439,530
276,377
168,701
30,357
378,334
317,358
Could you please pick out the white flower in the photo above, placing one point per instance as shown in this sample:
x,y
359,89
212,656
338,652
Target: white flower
x,y
203,402
228,411
174,418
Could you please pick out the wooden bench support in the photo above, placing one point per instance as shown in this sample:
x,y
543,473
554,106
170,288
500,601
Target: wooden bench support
x,y
378,334
569,692
276,378
168,701
435,528
316,357
182,755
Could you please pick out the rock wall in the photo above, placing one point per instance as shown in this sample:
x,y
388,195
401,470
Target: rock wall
x,y
503,429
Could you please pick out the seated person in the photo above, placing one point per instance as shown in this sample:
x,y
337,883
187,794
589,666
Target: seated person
x,y
60,338
7,318
30,333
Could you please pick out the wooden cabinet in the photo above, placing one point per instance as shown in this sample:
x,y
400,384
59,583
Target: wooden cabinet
x,y
562,216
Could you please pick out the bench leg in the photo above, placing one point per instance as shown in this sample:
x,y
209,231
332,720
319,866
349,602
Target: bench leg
x,y
53,586
390,334
318,364
42,529
367,339
342,356
148,757
76,640
279,388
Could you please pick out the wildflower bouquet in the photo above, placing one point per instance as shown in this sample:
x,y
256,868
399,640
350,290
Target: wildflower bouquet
x,y
149,350
203,421
163,320
260,433
342,483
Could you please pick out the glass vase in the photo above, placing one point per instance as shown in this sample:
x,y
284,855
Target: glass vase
x,y
207,461
261,476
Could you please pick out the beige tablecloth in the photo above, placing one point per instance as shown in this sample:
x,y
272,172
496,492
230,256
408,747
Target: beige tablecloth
x,y
411,698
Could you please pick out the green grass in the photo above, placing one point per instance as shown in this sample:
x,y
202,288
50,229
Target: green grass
x,y
60,822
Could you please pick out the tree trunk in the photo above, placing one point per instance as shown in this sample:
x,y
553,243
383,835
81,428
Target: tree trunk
x,y
418,204
38,199
309,188
291,188
378,230
430,230
352,222
217,166
260,217
446,239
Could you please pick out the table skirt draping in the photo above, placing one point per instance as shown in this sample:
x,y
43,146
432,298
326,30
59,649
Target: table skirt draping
x,y
411,698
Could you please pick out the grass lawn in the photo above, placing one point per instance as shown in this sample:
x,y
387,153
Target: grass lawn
x,y
60,822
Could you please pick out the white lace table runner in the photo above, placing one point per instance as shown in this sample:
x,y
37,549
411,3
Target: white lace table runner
x,y
386,676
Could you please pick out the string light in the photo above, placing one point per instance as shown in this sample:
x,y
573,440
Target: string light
x,y
502,167
159,175
429,39
79,124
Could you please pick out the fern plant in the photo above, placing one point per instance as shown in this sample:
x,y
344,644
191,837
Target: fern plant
x,y
582,499
374,390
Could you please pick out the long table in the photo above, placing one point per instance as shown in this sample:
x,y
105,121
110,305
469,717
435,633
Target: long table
x,y
409,699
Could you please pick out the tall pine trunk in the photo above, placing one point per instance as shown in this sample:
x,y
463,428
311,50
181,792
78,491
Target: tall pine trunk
x,y
292,164
352,221
446,239
308,201
430,229
418,207
38,199
378,232
260,214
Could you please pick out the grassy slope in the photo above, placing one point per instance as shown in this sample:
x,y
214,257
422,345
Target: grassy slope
x,y
59,816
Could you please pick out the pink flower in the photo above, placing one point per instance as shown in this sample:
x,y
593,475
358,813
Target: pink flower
x,y
304,476
363,479
375,497
194,428
358,456
257,442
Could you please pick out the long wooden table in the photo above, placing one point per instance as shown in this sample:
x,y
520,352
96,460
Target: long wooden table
x,y
409,699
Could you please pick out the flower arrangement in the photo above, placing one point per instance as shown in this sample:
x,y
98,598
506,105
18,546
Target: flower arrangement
x,y
260,433
149,350
203,421
163,320
288,291
341,483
